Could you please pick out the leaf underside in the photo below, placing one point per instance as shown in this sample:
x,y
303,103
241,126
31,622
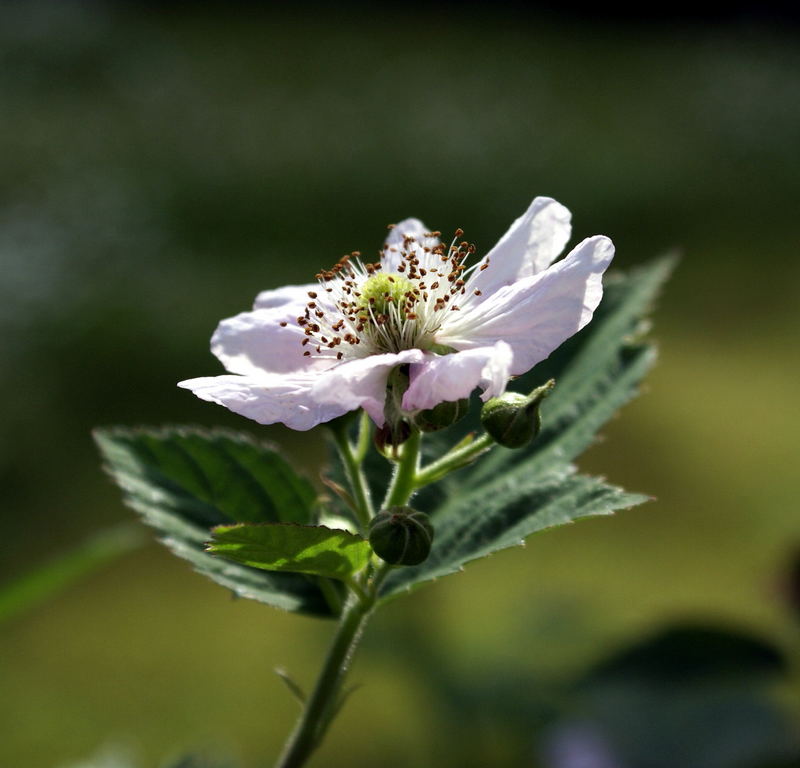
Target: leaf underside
x,y
185,481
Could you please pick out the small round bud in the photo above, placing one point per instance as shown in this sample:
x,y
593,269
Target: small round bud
x,y
401,535
441,415
513,420
388,437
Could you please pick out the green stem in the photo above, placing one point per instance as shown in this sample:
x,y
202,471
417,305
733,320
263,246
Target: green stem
x,y
324,700
364,435
355,476
455,459
404,480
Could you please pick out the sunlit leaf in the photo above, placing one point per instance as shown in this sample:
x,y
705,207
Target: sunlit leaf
x,y
313,549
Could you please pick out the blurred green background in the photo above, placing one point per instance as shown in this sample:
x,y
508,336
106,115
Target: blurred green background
x,y
162,164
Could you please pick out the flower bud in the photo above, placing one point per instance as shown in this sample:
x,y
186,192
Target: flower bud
x,y
401,535
442,415
388,437
512,419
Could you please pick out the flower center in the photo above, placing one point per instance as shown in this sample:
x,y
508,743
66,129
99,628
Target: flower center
x,y
385,294
360,310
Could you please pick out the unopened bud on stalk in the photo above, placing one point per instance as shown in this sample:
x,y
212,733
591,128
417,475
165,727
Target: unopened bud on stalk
x,y
513,420
442,415
401,535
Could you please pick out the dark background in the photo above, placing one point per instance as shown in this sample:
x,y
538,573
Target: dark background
x,y
161,164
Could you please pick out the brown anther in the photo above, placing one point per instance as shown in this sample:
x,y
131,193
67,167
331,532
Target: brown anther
x,y
484,266
459,232
306,354
312,294
284,324
305,341
454,308
478,293
339,355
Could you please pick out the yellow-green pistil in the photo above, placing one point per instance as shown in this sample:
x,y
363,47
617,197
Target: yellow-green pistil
x,y
386,294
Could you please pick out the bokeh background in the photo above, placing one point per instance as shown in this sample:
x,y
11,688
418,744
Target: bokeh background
x,y
162,164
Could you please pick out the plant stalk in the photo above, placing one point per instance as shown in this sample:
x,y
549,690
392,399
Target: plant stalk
x,y
324,701
355,476
403,482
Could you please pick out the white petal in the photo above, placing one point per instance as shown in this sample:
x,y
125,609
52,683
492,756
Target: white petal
x,y
454,376
536,314
391,256
531,245
253,343
266,399
361,383
288,294
303,400
406,228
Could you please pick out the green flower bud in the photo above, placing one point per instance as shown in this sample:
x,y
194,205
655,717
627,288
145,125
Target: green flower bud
x,y
512,419
401,535
441,415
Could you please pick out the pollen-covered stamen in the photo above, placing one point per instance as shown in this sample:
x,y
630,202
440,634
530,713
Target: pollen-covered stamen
x,y
365,309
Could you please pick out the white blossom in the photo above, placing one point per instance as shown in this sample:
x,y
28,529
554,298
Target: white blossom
x,y
308,354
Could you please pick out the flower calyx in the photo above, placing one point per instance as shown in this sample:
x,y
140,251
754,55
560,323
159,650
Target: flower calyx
x,y
513,420
401,536
443,415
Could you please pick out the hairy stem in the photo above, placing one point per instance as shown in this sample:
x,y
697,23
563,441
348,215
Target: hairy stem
x,y
404,479
455,459
324,700
355,476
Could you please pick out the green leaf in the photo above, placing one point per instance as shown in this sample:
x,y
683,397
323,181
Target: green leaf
x,y
314,549
57,574
502,514
510,494
184,481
